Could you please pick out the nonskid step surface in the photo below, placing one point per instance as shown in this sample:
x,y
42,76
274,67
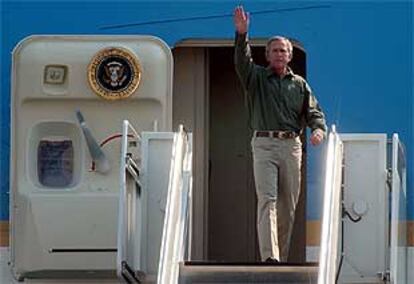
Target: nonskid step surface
x,y
210,272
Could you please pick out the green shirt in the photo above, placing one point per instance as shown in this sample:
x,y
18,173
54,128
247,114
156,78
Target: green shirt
x,y
275,103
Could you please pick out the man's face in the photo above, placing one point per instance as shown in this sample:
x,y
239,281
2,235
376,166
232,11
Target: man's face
x,y
278,54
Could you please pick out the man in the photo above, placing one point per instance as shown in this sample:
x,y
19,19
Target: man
x,y
280,105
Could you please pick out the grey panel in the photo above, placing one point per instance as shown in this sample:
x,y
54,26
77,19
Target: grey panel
x,y
254,273
366,242
398,257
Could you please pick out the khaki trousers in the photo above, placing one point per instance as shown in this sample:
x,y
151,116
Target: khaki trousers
x,y
276,166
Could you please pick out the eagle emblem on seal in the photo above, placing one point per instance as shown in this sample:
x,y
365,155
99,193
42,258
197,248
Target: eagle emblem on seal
x,y
114,73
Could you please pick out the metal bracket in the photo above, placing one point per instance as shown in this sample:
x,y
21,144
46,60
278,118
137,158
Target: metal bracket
x,y
130,276
384,276
389,178
132,168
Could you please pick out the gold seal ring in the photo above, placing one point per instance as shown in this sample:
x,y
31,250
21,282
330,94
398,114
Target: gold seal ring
x,y
114,73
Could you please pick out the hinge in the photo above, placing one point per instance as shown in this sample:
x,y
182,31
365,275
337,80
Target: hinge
x,y
389,178
384,276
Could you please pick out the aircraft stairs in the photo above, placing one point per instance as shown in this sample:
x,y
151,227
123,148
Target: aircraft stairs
x,y
174,265
136,248
210,272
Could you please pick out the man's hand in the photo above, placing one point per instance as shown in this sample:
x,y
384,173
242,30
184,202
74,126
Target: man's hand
x,y
241,20
316,137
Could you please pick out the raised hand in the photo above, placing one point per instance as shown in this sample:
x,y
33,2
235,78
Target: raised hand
x,y
241,20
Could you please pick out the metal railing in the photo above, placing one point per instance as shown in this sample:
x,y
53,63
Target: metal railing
x,y
398,230
129,171
176,223
331,211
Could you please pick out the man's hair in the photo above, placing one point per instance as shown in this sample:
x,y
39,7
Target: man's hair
x,y
279,38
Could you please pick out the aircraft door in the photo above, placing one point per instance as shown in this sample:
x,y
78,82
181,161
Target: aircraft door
x,y
70,95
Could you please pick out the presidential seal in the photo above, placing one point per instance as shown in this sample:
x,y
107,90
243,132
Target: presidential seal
x,y
114,73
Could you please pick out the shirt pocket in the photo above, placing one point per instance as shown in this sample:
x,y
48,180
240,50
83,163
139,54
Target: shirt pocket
x,y
295,97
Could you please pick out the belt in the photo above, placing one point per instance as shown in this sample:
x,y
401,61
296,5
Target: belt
x,y
276,134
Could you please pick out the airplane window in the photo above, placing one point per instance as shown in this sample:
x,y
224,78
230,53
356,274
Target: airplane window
x,y
55,163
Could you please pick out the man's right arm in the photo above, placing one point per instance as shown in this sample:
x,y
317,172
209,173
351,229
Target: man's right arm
x,y
242,56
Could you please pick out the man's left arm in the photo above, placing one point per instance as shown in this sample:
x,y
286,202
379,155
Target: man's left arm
x,y
315,118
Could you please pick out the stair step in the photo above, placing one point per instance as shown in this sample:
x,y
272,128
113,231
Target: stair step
x,y
202,272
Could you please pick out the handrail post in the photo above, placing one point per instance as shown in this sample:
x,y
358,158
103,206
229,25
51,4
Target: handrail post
x,y
331,210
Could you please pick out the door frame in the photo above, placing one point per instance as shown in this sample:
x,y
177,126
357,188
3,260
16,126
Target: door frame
x,y
198,118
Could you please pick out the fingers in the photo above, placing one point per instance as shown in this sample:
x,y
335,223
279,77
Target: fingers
x,y
315,141
239,11
239,14
241,19
316,137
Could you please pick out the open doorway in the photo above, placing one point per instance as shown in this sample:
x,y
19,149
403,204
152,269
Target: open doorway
x,y
208,99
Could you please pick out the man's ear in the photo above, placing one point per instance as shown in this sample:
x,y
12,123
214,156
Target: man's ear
x,y
290,56
267,55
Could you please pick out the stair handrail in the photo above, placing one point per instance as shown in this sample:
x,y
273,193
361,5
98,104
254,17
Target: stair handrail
x,y
331,210
127,166
177,214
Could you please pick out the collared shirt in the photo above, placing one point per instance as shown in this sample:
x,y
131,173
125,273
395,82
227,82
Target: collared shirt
x,y
275,103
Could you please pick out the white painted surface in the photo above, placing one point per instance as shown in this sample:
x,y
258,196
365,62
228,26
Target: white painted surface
x,y
331,216
398,250
365,242
7,278
410,265
46,221
312,254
